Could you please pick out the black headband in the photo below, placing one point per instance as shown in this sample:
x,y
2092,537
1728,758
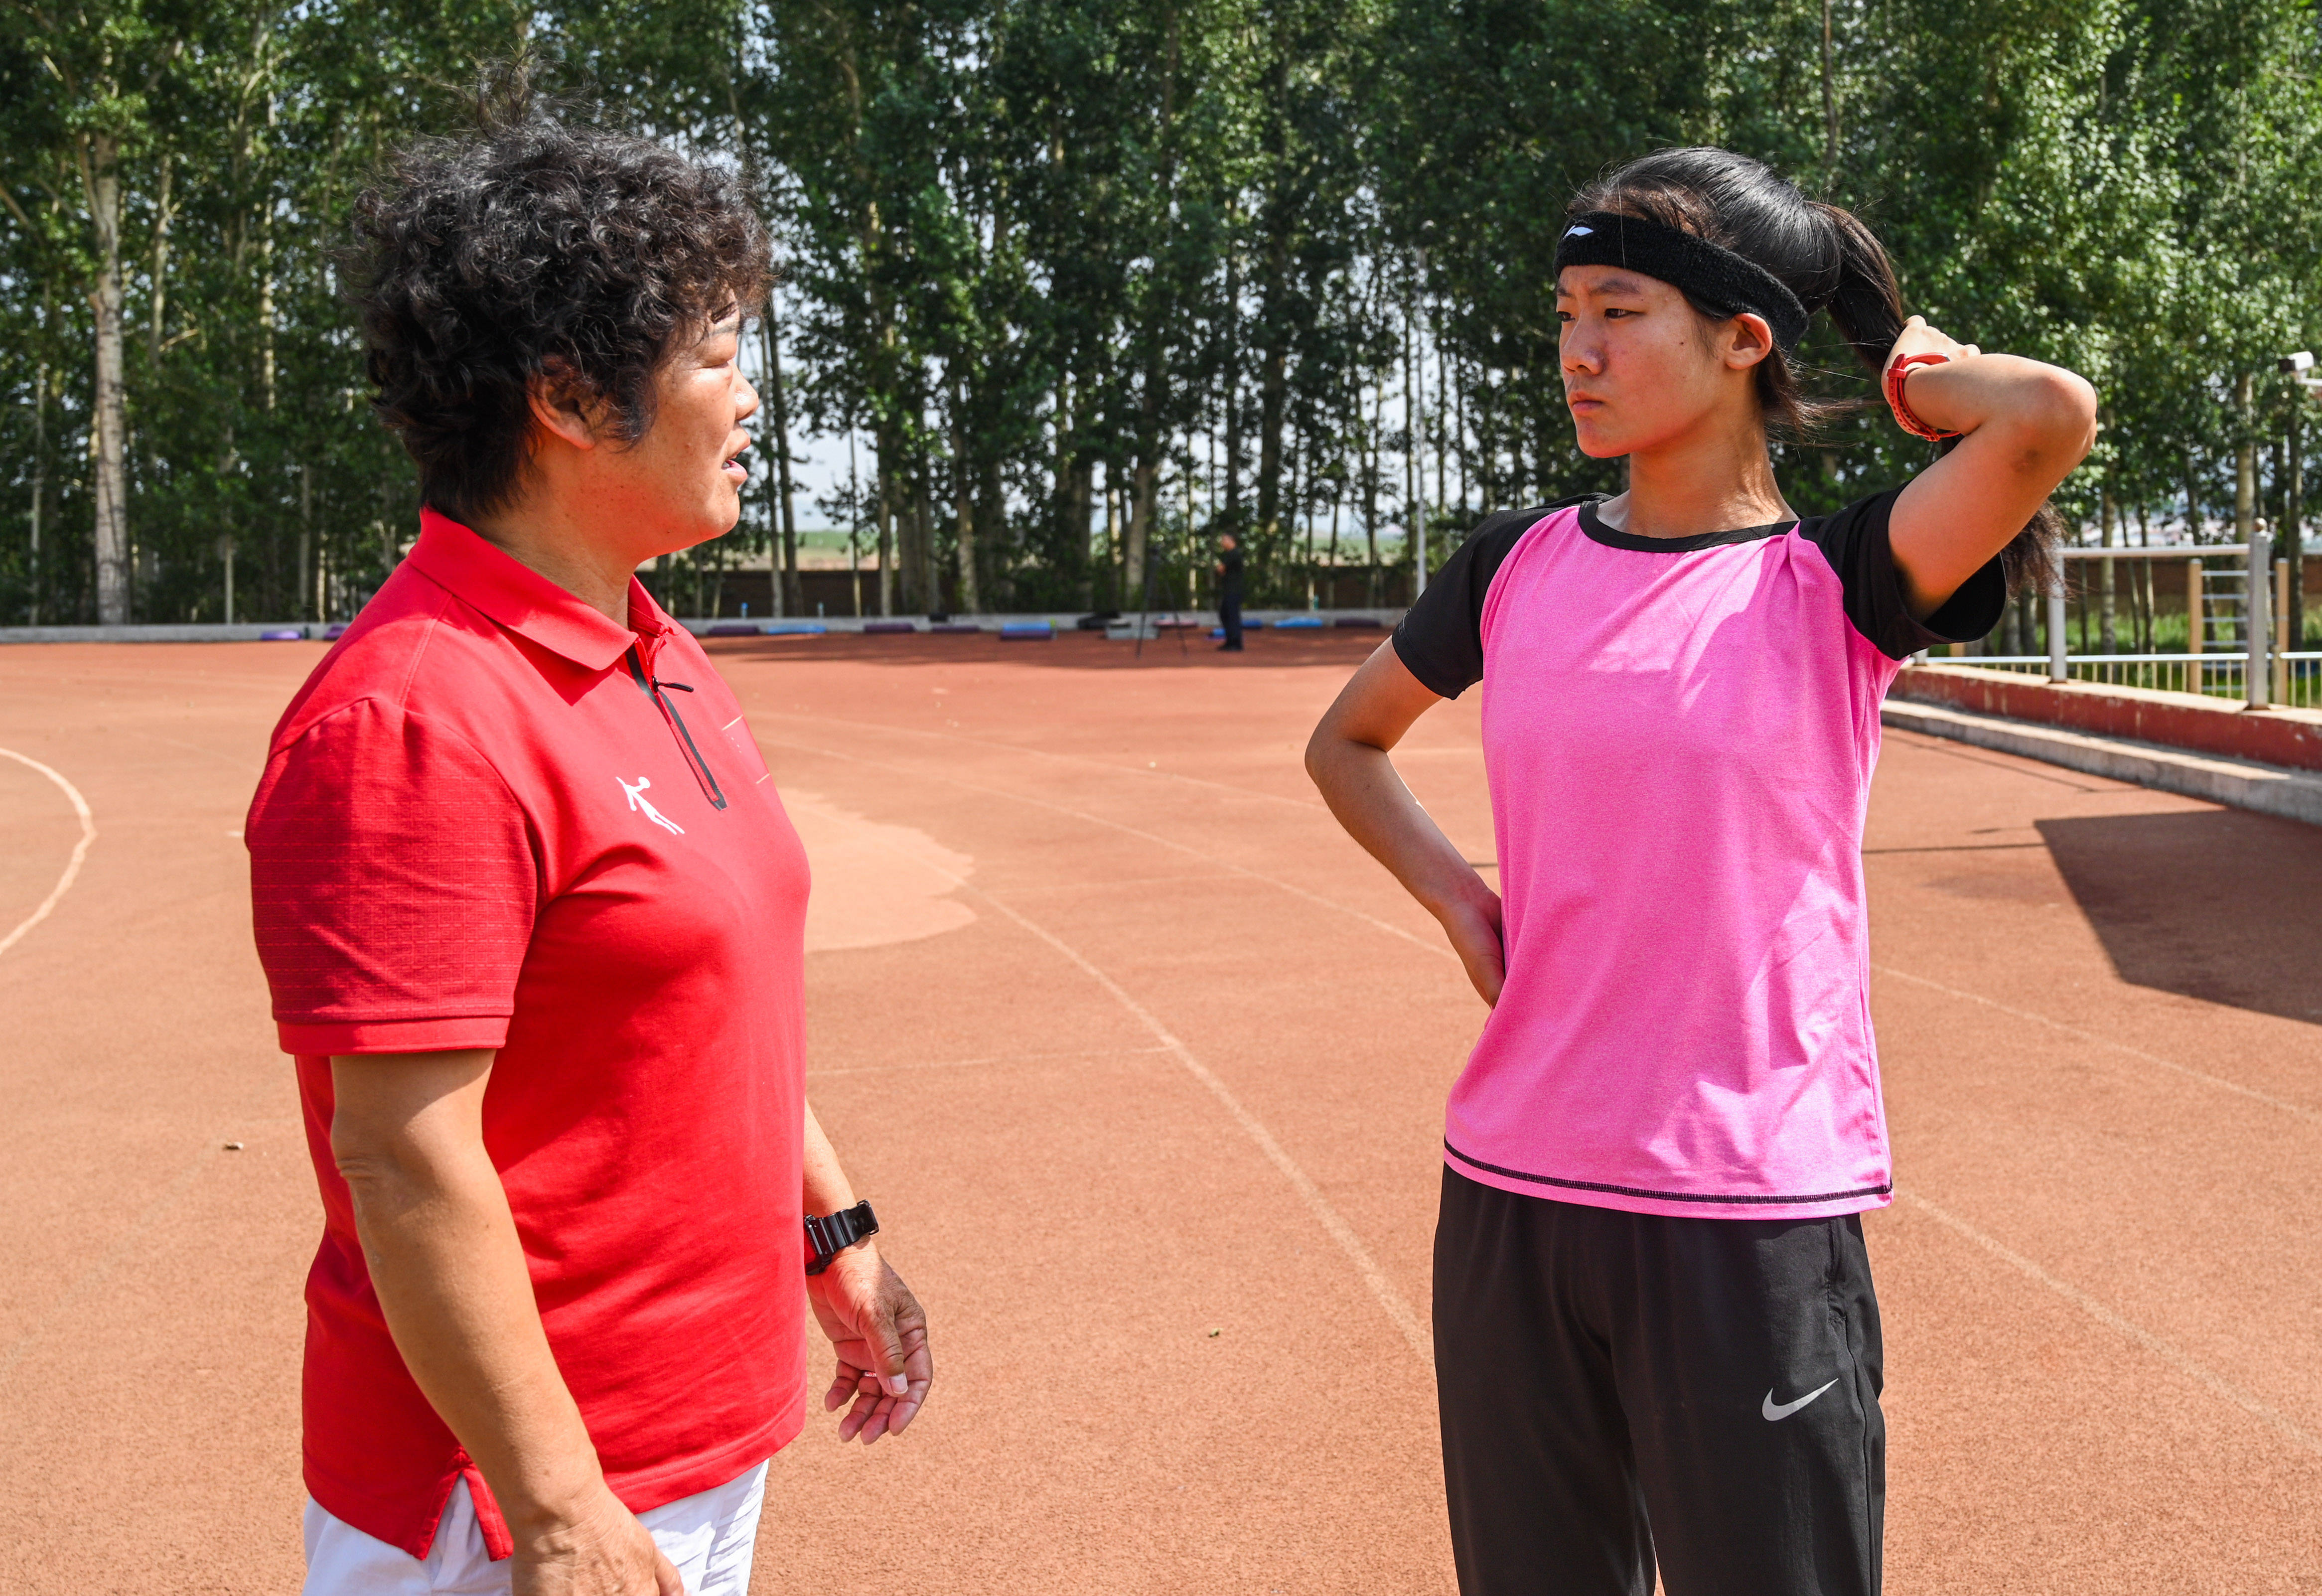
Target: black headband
x,y
1708,273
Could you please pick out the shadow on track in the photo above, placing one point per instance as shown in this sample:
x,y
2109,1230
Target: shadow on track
x,y
2220,905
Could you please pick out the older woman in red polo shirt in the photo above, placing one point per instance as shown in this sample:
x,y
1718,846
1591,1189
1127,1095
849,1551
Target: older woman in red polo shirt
x,y
532,917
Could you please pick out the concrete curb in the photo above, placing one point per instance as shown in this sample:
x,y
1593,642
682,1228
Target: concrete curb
x,y
2295,795
2222,728
241,632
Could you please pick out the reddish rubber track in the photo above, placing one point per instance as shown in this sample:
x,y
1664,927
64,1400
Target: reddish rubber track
x,y
1155,1135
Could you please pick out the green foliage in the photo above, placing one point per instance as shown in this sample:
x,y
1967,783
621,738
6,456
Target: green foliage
x,y
1152,265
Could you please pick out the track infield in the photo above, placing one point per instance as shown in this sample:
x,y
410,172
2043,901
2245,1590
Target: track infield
x,y
1143,1063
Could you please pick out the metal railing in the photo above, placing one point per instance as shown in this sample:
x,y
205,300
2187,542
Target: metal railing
x,y
2230,635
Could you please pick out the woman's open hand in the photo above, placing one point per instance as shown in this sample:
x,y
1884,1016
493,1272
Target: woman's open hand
x,y
1918,338
1473,925
880,1333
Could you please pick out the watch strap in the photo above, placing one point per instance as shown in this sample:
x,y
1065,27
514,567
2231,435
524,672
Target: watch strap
x,y
829,1234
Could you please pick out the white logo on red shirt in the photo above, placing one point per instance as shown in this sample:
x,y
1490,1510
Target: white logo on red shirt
x,y
638,801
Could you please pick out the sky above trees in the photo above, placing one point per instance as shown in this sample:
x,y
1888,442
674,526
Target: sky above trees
x,y
1075,283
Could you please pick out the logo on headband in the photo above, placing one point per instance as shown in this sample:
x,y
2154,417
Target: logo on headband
x,y
1576,230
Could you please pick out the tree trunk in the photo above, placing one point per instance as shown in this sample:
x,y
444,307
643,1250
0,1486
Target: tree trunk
x,y
163,211
1829,102
970,598
266,364
1112,534
992,514
1443,443
1063,469
2141,586
1488,477
1338,497
39,486
885,467
2253,600
1145,500
2108,632
928,581
1460,432
790,597
1146,476
2293,533
1414,391
1233,391
101,176
1273,386
306,537
1371,486
1081,508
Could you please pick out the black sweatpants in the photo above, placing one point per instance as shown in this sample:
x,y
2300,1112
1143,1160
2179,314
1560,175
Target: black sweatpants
x,y
1619,1388
1230,617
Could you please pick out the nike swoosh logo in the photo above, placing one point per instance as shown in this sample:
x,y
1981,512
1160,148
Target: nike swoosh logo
x,y
1775,1411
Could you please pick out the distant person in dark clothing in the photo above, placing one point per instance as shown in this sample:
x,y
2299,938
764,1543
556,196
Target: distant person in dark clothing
x,y
1229,567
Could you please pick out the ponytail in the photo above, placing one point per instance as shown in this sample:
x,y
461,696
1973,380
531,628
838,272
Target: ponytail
x,y
1827,258
1866,306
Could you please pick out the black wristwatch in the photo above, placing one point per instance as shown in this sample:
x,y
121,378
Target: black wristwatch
x,y
833,1234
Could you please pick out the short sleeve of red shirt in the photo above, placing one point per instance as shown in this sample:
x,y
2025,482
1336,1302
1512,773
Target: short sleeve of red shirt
x,y
394,882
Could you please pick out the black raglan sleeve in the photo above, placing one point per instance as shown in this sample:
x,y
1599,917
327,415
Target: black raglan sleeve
x,y
1855,542
1441,638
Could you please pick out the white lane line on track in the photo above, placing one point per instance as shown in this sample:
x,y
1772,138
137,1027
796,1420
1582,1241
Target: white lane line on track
x,y
2154,1059
2105,1316
72,865
1329,1217
1440,949
1333,1223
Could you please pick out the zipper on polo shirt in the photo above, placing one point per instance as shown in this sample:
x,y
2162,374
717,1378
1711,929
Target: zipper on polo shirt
x,y
653,688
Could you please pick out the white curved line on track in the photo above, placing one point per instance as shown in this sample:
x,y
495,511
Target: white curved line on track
x,y
2154,1059
2105,1316
72,865
1333,1223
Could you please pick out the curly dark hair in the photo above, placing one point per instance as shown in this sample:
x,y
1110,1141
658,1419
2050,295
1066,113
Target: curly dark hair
x,y
532,249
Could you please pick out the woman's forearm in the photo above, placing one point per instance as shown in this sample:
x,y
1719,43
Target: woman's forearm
x,y
2024,425
1370,798
2047,410
826,1187
450,1272
1347,758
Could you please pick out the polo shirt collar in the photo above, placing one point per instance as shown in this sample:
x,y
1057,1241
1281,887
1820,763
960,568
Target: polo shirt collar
x,y
464,564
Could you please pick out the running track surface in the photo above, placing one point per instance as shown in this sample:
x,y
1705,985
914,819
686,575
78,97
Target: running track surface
x,y
1143,1063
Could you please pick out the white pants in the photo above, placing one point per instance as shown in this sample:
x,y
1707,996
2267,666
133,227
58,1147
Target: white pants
x,y
709,1536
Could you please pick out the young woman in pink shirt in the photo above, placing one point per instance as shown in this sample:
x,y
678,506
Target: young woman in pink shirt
x,y
1656,1337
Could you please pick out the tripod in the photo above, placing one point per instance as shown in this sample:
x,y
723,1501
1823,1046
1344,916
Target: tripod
x,y
1152,576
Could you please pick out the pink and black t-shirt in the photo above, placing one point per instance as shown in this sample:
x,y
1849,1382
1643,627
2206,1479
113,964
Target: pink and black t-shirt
x,y
1678,734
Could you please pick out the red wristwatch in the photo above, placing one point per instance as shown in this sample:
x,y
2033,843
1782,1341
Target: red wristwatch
x,y
1905,416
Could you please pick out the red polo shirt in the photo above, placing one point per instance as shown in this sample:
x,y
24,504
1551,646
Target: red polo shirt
x,y
491,818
